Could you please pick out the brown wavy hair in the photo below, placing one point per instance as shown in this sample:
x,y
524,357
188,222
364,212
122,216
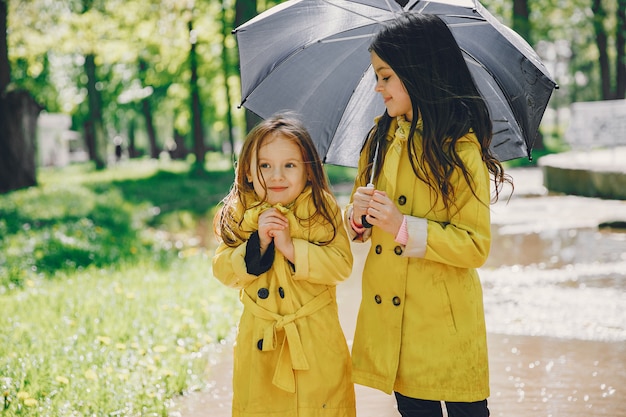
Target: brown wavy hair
x,y
242,196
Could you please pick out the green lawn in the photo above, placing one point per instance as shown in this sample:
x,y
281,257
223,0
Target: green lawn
x,y
106,293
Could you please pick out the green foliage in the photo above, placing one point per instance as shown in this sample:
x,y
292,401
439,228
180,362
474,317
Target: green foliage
x,y
337,174
142,51
133,316
121,341
57,228
90,217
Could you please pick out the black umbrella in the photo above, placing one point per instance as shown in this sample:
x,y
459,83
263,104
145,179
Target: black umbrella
x,y
311,57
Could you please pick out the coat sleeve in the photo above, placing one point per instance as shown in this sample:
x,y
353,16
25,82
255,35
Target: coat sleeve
x,y
229,266
464,240
328,264
255,263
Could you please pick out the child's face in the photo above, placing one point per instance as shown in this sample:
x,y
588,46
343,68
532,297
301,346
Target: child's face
x,y
281,165
391,88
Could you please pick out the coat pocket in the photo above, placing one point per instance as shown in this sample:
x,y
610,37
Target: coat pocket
x,y
446,306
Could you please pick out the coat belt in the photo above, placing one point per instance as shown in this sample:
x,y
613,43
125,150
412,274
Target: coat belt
x,y
292,356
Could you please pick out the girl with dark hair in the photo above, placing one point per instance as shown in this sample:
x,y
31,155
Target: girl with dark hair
x,y
421,330
284,246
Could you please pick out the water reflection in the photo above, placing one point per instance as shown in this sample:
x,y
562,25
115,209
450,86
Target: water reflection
x,y
552,271
556,282
556,248
554,377
555,275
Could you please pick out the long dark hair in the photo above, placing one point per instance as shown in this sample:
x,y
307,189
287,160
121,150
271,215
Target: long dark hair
x,y
423,53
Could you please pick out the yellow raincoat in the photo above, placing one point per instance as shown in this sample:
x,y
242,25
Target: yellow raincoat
x,y
420,329
291,356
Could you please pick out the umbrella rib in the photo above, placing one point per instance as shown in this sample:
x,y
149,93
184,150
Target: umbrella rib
x,y
355,13
389,6
475,61
347,38
474,23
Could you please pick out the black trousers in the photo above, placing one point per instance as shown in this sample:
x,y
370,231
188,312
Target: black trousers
x,y
414,407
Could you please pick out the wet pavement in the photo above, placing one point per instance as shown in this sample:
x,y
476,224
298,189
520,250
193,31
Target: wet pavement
x,y
554,289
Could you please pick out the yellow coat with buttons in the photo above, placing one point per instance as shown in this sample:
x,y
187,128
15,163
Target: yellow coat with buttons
x,y
291,358
421,329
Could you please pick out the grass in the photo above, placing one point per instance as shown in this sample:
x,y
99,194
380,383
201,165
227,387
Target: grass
x,y
106,294
116,341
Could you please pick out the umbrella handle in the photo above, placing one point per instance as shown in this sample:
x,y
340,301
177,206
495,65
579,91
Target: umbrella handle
x,y
370,184
364,222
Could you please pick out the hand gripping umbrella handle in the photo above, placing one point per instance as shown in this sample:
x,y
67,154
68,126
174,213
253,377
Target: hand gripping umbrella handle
x,y
364,222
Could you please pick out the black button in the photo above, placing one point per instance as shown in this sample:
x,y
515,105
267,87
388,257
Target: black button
x,y
259,344
397,250
379,249
281,292
378,299
396,301
263,293
402,200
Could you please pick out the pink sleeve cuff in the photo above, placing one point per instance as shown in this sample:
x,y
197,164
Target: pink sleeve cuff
x,y
358,229
403,233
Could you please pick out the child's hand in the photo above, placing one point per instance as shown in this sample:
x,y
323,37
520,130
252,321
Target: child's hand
x,y
360,203
284,243
271,221
383,213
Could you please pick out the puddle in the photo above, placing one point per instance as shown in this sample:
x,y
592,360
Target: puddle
x,y
556,248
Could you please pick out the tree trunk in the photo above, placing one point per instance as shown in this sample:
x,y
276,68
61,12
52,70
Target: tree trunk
x,y
521,22
620,43
196,106
147,114
146,109
244,11
94,136
521,25
599,16
5,68
18,133
18,124
132,149
226,29
179,150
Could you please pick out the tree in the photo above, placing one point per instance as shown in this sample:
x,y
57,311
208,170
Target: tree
x,y
523,26
146,109
18,122
610,90
620,46
226,29
521,21
120,34
196,106
244,11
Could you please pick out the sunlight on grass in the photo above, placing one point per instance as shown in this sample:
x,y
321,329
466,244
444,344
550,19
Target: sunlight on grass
x,y
106,295
85,173
112,342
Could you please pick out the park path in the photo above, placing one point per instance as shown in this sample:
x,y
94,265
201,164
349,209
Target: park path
x,y
533,373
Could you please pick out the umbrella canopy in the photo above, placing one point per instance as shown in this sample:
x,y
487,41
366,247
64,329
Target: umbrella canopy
x,y
311,57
